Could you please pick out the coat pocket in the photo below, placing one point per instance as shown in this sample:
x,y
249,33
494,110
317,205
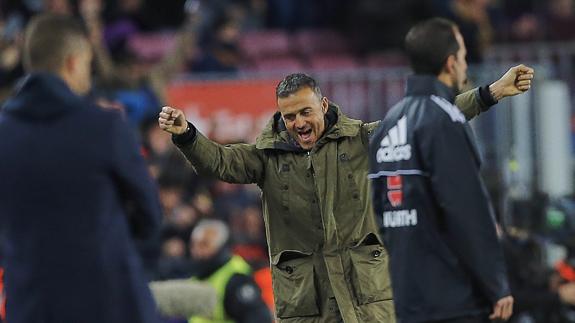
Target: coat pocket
x,y
293,284
370,274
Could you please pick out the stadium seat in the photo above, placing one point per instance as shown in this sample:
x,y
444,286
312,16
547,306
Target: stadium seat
x,y
279,64
386,59
331,62
264,44
151,46
319,41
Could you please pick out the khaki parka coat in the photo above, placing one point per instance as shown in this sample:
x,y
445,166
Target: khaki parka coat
x,y
327,258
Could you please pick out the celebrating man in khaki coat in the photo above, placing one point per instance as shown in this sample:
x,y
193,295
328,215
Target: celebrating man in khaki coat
x,y
311,163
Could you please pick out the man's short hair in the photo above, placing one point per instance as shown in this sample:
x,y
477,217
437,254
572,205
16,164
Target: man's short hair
x,y
294,82
49,39
429,44
222,229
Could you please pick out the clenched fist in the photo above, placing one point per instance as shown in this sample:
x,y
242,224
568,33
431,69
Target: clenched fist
x,y
173,121
516,81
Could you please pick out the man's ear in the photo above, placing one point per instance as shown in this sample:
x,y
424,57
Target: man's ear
x,y
450,64
324,104
69,64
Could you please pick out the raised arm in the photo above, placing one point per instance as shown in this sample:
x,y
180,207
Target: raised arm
x,y
236,163
515,81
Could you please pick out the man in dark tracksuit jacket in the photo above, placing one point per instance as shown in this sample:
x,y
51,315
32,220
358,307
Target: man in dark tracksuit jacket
x,y
445,259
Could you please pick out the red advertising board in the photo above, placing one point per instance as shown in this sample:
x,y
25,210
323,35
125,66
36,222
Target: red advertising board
x,y
226,110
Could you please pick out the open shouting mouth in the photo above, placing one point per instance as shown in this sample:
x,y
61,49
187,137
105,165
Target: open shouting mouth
x,y
305,135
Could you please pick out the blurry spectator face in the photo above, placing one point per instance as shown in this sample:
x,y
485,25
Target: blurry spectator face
x,y
253,222
205,245
154,170
170,197
303,114
60,7
460,66
174,248
526,27
184,217
204,204
130,5
229,33
562,8
160,141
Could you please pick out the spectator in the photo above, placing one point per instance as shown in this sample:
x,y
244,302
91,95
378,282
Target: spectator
x,y
173,262
524,22
560,20
221,54
474,21
239,297
538,294
137,85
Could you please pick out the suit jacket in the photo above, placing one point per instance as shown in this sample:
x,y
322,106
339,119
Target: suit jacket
x,y
69,174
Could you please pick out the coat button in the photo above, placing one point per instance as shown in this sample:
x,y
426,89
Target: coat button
x,y
285,187
289,270
350,176
355,196
313,201
343,157
376,253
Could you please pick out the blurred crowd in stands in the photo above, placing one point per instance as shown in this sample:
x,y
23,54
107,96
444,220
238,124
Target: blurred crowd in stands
x,y
141,46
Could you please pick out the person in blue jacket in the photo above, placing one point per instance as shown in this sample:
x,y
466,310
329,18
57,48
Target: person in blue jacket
x,y
446,261
74,192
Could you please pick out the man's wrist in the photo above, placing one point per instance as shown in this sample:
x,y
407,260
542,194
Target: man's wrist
x,y
487,100
186,136
496,91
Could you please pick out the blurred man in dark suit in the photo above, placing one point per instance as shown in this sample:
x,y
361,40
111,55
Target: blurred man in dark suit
x,y
74,191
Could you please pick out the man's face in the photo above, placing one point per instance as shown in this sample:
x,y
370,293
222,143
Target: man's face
x,y
303,114
460,67
204,245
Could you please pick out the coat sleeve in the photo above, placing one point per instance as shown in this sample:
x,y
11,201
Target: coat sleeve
x,y
466,213
472,102
135,184
236,163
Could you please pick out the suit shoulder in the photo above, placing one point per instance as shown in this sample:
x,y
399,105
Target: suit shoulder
x,y
101,115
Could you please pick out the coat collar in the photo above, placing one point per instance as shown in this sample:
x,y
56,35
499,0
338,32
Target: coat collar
x,y
338,125
42,96
429,85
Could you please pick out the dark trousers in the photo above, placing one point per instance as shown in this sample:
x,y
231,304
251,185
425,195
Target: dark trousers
x,y
466,319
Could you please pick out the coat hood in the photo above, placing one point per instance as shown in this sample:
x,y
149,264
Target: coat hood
x,y
42,96
276,136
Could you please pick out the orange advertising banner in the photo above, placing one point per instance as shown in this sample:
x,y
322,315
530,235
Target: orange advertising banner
x,y
227,111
